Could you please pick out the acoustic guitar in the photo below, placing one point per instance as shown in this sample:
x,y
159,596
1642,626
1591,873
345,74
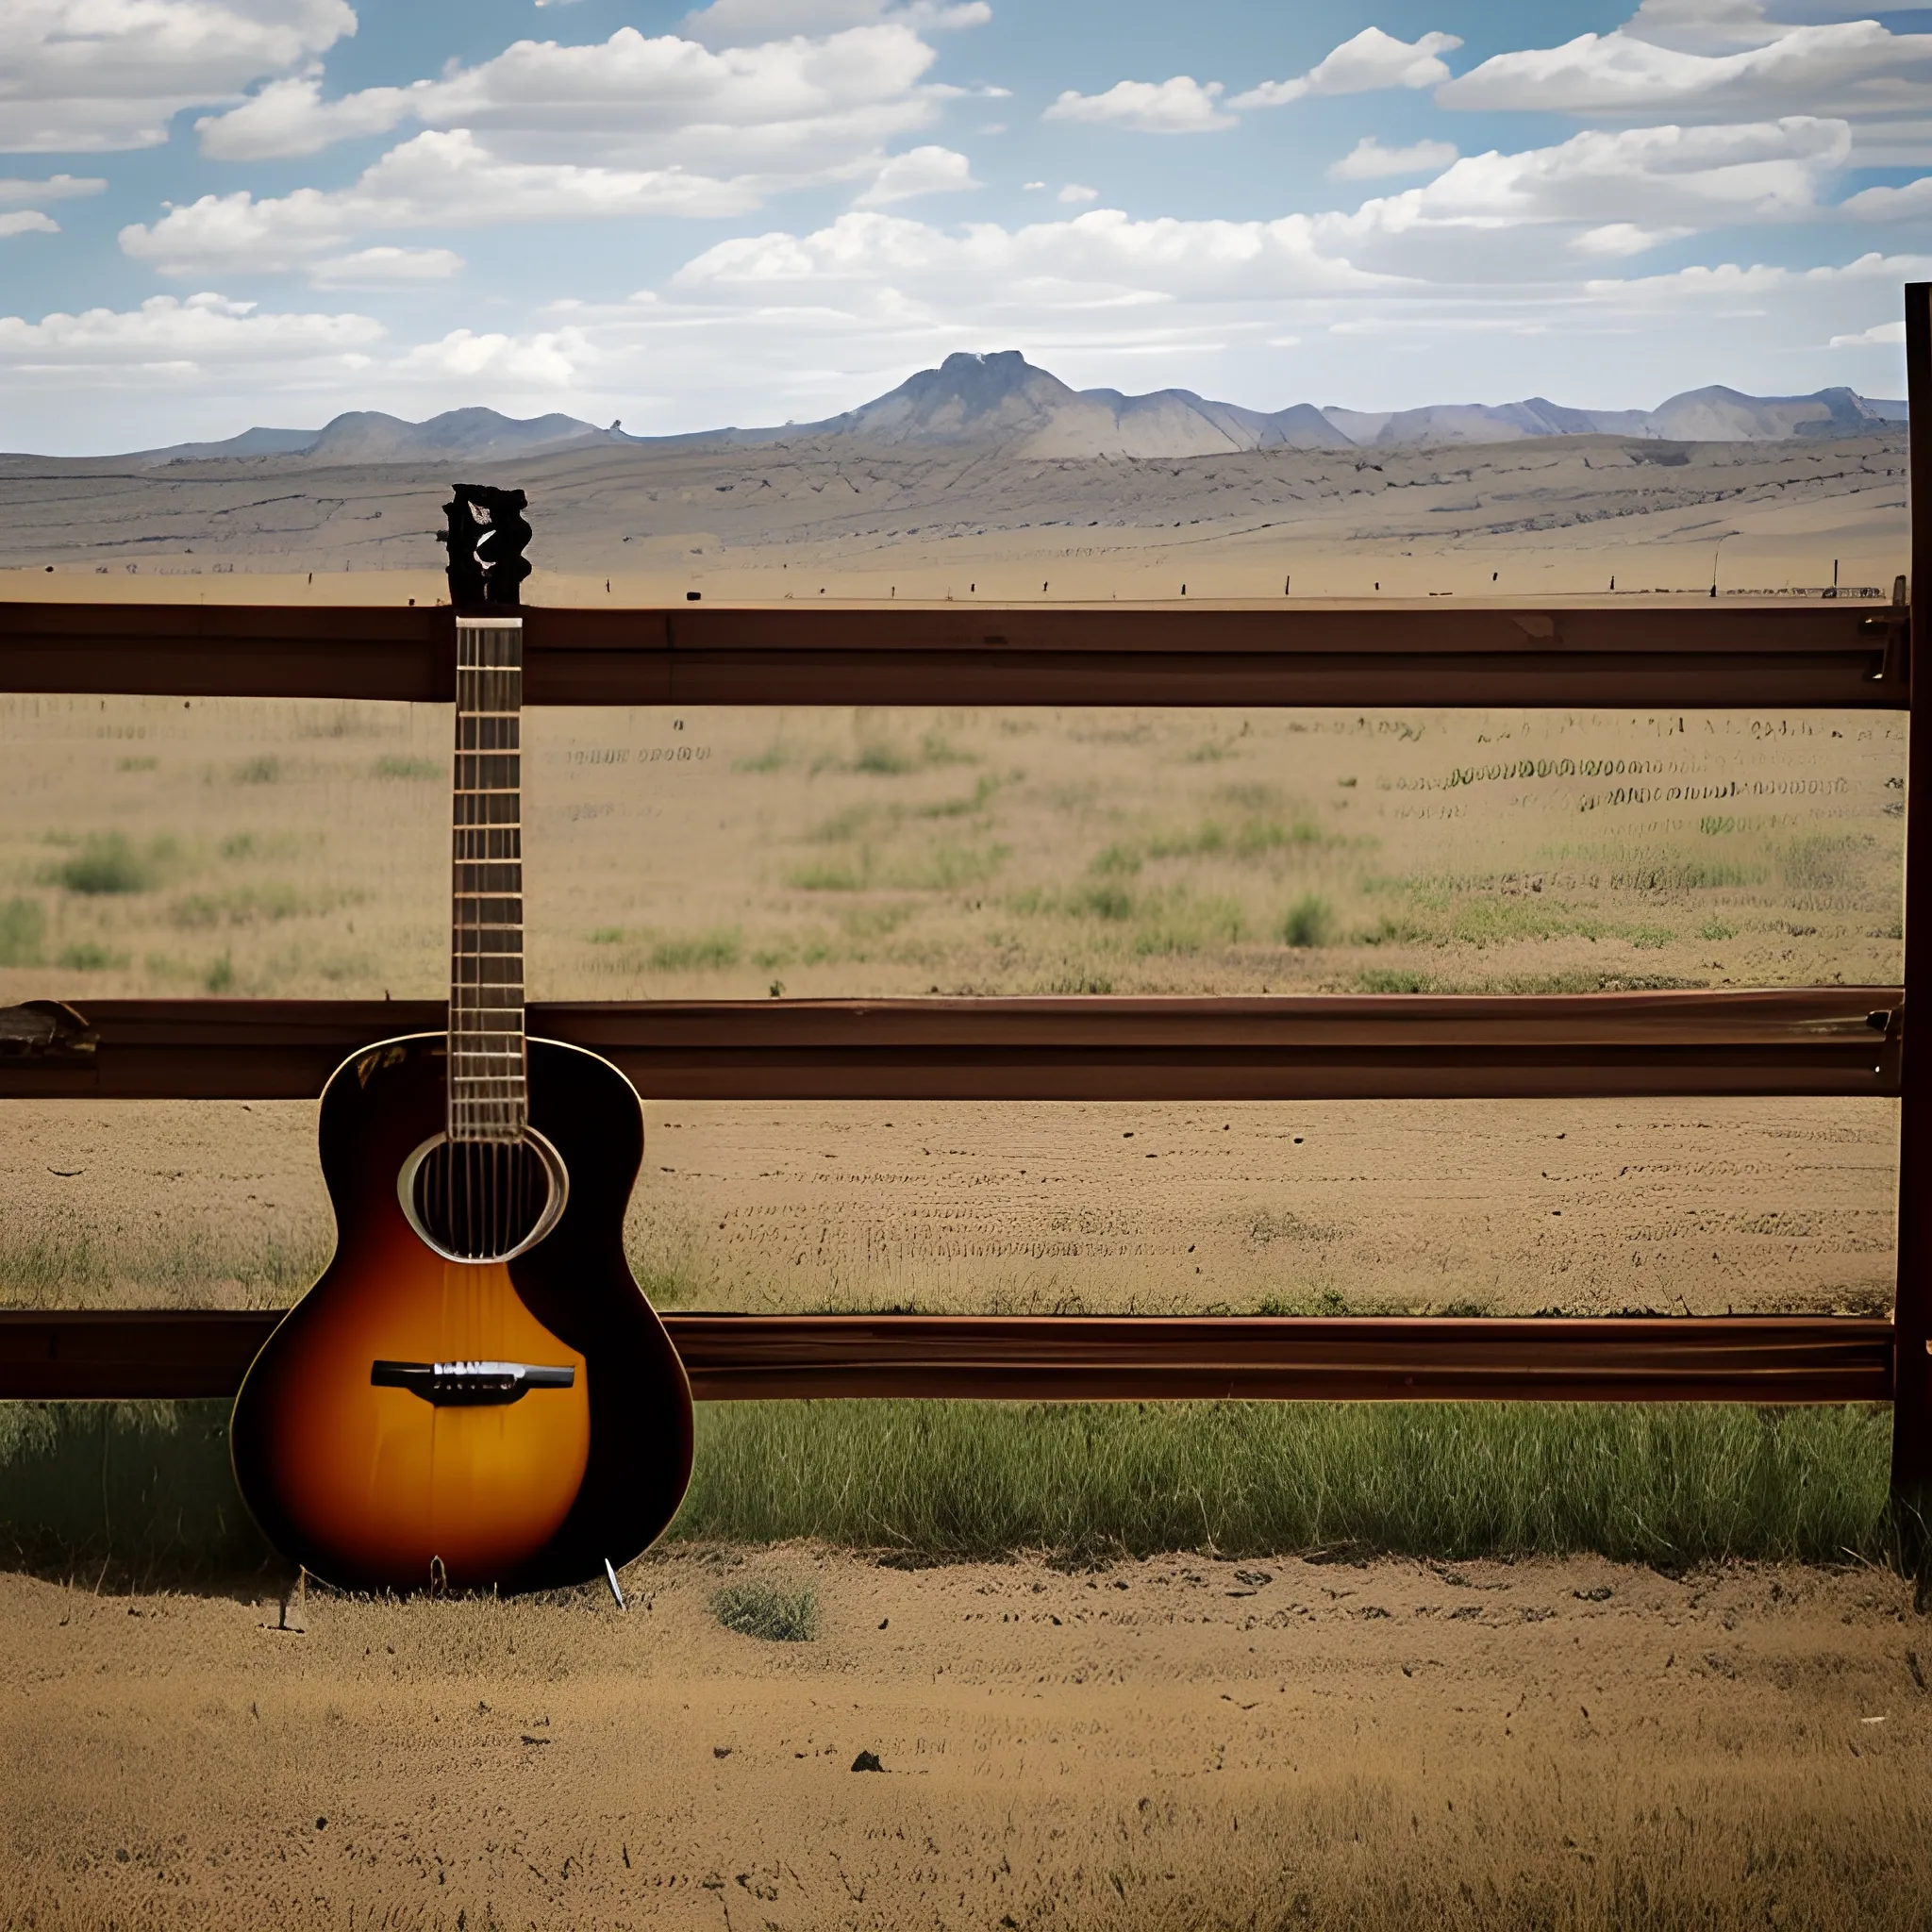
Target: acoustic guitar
x,y
476,1391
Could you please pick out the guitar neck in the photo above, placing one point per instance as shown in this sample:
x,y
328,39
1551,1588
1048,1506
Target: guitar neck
x,y
487,1082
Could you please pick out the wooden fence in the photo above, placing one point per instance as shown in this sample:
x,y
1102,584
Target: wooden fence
x,y
1795,1042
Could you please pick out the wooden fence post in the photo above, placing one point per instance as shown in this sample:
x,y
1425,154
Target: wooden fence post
x,y
1911,1427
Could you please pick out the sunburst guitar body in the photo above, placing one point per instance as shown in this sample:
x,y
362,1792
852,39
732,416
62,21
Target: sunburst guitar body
x,y
477,1392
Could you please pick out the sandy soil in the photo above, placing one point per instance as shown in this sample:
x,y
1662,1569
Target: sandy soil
x,y
1170,1743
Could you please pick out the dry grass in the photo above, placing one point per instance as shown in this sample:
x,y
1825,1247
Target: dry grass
x,y
863,853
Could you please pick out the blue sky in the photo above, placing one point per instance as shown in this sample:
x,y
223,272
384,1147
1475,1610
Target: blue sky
x,y
220,213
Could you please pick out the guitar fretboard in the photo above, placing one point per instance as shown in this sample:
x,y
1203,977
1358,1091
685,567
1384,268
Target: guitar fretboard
x,y
487,1094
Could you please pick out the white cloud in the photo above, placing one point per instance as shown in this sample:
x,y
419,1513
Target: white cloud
x,y
1684,62
551,360
1369,161
1614,239
919,171
28,221
1076,192
1912,203
743,22
1491,214
205,334
386,268
91,75
1729,283
1179,105
435,180
1881,334
1369,62
57,188
289,117
786,112
1098,257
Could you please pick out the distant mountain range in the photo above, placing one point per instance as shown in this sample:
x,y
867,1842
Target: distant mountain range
x,y
1003,401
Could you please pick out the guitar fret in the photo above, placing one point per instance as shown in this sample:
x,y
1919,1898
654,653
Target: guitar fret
x,y
487,1053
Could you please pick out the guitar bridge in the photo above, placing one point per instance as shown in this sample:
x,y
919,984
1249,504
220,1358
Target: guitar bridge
x,y
469,1385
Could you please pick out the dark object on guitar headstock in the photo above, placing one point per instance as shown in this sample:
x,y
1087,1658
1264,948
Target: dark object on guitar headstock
x,y
486,538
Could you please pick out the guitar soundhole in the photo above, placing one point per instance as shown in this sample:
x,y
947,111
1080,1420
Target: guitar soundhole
x,y
483,1200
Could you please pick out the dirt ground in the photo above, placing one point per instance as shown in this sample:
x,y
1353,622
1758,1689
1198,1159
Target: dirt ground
x,y
300,849
1171,1743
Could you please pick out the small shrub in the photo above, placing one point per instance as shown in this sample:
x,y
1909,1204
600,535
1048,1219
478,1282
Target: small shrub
x,y
239,846
1116,858
777,1616
1716,930
266,769
23,926
1391,979
884,762
90,958
390,766
137,764
773,757
1308,922
219,977
107,863
607,936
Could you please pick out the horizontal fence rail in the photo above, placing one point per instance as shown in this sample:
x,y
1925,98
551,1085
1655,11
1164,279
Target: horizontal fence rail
x,y
1815,1040
1770,1360
1835,655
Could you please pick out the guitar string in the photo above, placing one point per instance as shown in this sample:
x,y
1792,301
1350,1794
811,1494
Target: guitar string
x,y
487,1096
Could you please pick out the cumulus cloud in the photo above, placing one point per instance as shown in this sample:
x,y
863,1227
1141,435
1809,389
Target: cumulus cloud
x,y
1615,191
1075,191
288,118
1369,161
28,221
1912,203
1684,60
435,180
790,111
385,268
1100,256
919,171
728,23
1369,62
550,360
56,188
93,76
205,333
1180,106
1880,335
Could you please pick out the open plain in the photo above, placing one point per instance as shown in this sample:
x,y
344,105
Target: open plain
x,y
1179,1743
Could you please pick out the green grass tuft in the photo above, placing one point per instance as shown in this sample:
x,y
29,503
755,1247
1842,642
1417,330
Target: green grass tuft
x,y
391,766
89,957
23,930
266,769
1309,921
777,1616
108,863
697,952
